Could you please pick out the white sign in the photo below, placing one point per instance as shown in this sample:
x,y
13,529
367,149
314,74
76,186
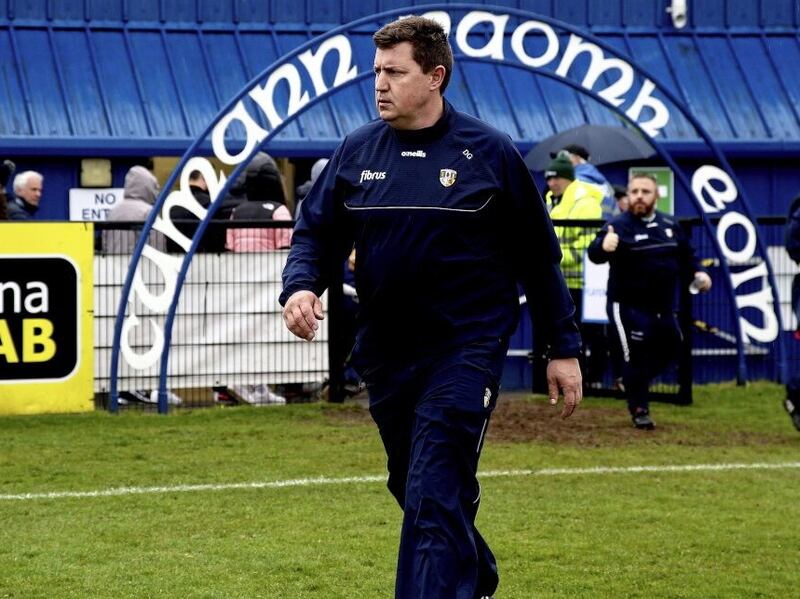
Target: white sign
x,y
93,204
595,281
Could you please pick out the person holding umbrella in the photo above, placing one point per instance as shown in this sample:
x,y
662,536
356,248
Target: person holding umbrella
x,y
589,173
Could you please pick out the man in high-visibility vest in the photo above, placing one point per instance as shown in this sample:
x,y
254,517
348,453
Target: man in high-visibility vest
x,y
570,199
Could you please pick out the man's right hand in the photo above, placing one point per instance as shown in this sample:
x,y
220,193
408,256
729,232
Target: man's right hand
x,y
301,313
610,241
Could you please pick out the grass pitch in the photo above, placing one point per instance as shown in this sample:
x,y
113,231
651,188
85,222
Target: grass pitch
x,y
661,533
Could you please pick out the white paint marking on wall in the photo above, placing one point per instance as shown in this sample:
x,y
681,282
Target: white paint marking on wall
x,y
348,480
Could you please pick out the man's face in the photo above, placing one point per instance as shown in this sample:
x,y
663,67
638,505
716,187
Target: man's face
x,y
623,203
402,90
642,196
557,185
31,192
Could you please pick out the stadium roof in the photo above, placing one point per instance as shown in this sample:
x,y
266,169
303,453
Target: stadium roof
x,y
72,87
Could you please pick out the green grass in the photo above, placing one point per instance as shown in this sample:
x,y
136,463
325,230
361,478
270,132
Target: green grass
x,y
658,534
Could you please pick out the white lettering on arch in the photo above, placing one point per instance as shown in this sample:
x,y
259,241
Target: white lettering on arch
x,y
518,44
494,47
313,63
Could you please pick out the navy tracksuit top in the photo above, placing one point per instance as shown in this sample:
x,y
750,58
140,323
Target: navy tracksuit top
x,y
445,221
652,259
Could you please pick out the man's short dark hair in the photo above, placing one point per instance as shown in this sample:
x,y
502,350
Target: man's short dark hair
x,y
427,38
650,176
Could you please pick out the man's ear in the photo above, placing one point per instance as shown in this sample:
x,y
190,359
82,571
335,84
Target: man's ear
x,y
437,77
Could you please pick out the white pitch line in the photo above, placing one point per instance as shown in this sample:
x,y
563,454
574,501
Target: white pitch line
x,y
322,480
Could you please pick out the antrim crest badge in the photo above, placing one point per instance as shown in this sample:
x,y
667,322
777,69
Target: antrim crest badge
x,y
447,176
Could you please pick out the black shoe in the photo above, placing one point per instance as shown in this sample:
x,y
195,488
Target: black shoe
x,y
641,420
794,412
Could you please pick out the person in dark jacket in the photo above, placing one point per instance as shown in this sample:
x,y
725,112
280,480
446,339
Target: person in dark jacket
x,y
265,200
28,193
792,402
6,168
445,220
649,256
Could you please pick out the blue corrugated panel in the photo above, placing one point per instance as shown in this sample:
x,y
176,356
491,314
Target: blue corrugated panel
x,y
157,85
768,92
288,12
695,85
650,55
707,13
80,83
40,80
742,13
195,91
13,116
726,75
246,11
533,114
785,53
490,98
116,75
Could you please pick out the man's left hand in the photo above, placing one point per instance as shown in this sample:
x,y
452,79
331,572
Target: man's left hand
x,y
564,376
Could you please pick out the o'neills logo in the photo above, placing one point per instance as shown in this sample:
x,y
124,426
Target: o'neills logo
x,y
414,154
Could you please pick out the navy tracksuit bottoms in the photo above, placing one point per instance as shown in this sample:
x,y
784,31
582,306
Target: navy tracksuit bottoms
x,y
432,417
649,342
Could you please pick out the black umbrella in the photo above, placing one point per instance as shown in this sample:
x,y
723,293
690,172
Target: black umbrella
x,y
604,144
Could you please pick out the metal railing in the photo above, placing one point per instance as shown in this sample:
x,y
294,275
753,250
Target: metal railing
x,y
230,344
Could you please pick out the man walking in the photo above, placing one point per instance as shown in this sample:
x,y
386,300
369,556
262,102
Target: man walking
x,y
650,257
445,220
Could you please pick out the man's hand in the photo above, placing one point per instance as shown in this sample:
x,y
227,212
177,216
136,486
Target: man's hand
x,y
301,313
610,241
564,375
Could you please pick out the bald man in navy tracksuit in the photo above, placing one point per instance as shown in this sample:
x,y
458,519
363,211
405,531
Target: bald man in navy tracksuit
x,y
649,256
445,220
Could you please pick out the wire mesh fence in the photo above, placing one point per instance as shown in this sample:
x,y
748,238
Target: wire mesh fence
x,y
229,344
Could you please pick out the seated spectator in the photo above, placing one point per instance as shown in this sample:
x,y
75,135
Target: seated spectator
x,y
141,191
28,195
6,168
265,201
302,190
186,222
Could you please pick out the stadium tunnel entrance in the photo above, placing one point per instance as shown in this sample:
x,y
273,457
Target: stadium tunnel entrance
x,y
503,37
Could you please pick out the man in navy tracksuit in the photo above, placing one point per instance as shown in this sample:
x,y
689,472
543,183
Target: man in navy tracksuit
x,y
445,220
650,256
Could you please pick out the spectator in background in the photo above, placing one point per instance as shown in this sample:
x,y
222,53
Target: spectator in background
x,y
570,199
6,168
792,403
303,189
650,257
587,172
621,197
266,200
141,191
28,193
187,222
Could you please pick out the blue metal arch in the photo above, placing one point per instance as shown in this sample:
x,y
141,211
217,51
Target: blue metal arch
x,y
286,59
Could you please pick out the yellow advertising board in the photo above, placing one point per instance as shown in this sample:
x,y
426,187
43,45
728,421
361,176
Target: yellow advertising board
x,y
46,310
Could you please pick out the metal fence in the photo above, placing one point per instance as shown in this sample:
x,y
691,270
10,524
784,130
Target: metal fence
x,y
230,346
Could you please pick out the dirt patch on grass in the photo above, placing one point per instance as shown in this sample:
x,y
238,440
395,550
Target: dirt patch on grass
x,y
519,419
